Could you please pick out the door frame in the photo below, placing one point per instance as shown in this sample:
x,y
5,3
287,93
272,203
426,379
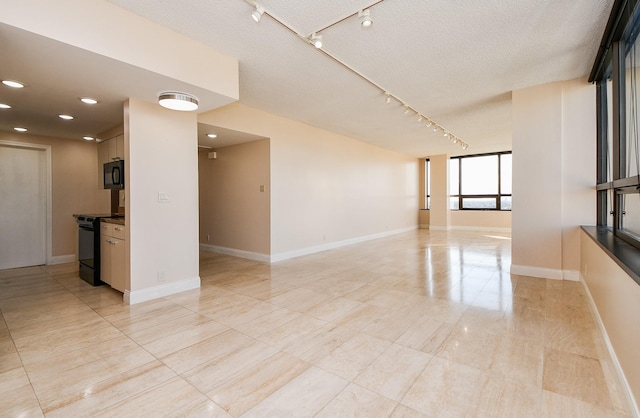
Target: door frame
x,y
47,170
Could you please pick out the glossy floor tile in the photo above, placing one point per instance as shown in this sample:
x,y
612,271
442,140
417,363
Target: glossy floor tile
x,y
421,324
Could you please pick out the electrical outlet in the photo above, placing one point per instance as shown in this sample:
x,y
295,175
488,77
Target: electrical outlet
x,y
161,277
262,187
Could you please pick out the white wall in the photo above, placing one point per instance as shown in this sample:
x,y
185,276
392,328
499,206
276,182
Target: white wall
x,y
161,155
326,189
104,28
234,212
553,177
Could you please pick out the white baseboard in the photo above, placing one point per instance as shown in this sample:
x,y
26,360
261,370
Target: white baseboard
x,y
623,384
545,273
541,272
332,245
61,259
236,253
161,291
571,275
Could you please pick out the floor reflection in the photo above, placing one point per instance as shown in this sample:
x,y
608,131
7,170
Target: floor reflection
x,y
407,325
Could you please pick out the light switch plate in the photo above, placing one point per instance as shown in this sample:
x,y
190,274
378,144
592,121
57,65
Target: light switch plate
x,y
163,197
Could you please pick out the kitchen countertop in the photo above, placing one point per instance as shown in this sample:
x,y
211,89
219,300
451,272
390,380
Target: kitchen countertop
x,y
117,220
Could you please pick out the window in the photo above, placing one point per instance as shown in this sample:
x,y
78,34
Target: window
x,y
616,72
480,182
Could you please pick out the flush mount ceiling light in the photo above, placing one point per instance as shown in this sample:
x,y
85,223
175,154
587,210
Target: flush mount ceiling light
x,y
4,106
65,117
20,129
178,101
88,138
13,83
316,40
212,136
257,14
365,18
88,100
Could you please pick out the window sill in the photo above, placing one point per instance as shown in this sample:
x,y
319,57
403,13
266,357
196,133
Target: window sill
x,y
625,255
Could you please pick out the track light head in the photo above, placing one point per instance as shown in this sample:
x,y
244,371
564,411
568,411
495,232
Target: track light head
x,y
365,18
388,97
406,109
257,14
420,117
315,40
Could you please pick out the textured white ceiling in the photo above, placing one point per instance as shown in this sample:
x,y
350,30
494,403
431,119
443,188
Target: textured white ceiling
x,y
455,61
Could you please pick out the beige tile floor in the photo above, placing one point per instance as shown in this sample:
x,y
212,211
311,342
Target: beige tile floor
x,y
422,324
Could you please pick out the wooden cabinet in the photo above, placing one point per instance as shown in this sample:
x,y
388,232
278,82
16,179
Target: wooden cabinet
x,y
113,254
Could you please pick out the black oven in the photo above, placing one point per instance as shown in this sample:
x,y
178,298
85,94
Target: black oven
x,y
89,248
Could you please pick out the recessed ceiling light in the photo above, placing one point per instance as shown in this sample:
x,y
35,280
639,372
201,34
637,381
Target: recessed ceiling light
x,y
178,101
88,138
65,117
212,136
13,83
20,129
88,100
4,106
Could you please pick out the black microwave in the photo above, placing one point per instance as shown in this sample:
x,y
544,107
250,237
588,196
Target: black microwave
x,y
114,175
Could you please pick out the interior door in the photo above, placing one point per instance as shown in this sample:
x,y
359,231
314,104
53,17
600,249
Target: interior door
x,y
22,207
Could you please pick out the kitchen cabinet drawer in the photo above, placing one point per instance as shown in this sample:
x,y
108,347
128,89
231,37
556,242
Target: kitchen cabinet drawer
x,y
106,229
117,231
114,253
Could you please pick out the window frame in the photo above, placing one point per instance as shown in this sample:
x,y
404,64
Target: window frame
x,y
622,30
498,196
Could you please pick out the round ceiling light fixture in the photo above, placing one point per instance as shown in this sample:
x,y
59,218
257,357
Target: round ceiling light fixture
x,y
178,101
88,138
13,83
88,100
212,136
65,117
20,129
4,106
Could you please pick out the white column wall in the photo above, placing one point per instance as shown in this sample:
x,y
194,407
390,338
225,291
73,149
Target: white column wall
x,y
553,177
161,155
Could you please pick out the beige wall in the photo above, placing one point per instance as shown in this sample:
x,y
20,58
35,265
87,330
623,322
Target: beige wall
x,y
104,28
74,188
234,213
326,188
481,219
616,297
553,177
161,156
440,214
